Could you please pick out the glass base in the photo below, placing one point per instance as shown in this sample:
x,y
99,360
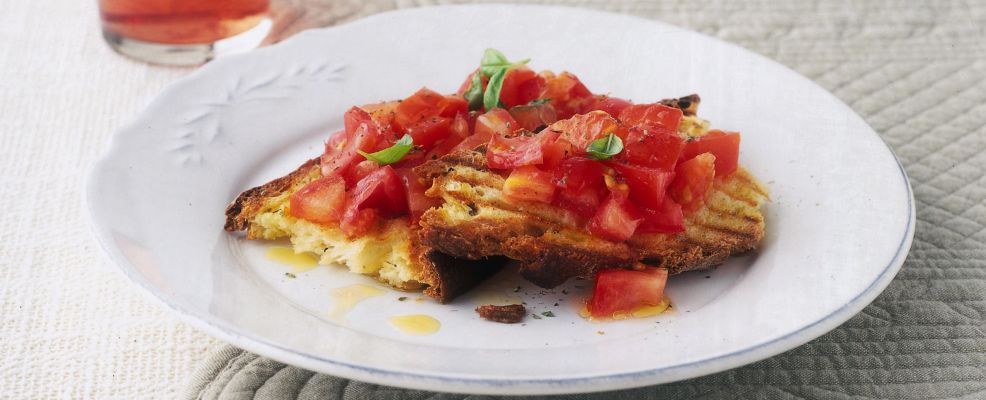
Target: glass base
x,y
187,54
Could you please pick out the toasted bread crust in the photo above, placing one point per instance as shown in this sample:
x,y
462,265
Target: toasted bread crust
x,y
253,201
477,221
445,277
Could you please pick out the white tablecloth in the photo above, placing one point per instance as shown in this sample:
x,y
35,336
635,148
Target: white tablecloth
x,y
72,327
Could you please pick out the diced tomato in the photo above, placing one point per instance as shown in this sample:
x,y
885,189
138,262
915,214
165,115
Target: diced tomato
x,y
361,133
495,122
512,152
427,132
529,183
382,113
459,128
426,104
359,171
568,95
623,290
382,189
667,219
692,181
580,183
652,114
454,105
356,222
321,201
581,130
417,201
616,219
647,185
555,152
724,145
579,173
651,146
473,141
611,105
520,86
534,117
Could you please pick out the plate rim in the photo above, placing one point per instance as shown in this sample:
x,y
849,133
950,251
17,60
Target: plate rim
x,y
437,382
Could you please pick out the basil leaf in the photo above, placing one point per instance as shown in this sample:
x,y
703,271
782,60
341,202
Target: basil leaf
x,y
491,99
493,60
605,148
391,154
474,96
537,102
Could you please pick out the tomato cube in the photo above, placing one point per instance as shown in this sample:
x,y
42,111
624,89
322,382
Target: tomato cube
x,y
520,86
529,183
623,290
611,105
581,130
517,151
647,185
423,104
495,122
657,115
417,201
651,146
321,201
616,219
692,181
724,145
427,132
534,117
667,219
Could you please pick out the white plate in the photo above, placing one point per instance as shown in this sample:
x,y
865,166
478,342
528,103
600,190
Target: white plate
x,y
838,229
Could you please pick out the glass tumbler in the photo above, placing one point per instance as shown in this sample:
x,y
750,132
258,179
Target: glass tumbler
x,y
183,32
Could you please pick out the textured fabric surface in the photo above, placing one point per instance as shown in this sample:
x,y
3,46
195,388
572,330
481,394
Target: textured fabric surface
x,y
71,327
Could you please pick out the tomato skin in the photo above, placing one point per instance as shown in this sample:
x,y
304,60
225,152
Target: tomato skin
x,y
417,201
567,93
534,117
652,147
651,114
322,200
424,104
580,184
616,219
382,113
454,105
647,185
555,152
529,183
361,133
581,130
724,145
495,122
427,132
382,189
610,105
359,171
692,181
667,219
623,290
507,153
520,86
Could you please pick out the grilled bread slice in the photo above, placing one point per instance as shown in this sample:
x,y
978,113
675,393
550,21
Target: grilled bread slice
x,y
477,220
391,251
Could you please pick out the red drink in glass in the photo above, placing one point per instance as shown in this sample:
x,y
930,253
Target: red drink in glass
x,y
177,31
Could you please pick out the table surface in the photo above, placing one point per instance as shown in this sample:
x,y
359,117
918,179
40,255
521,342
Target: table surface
x,y
72,326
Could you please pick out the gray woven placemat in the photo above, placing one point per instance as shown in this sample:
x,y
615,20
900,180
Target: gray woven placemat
x,y
917,73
